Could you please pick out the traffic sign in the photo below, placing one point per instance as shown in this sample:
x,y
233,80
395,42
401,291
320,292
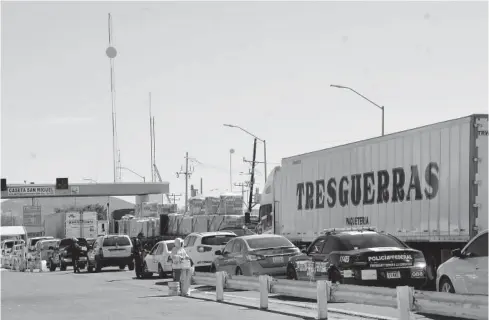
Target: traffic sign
x,y
32,216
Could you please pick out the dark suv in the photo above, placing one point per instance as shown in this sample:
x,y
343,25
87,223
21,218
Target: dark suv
x,y
64,253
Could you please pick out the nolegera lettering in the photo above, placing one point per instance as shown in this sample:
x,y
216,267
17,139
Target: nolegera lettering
x,y
369,188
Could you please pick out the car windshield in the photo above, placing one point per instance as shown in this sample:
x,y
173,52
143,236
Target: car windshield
x,y
119,241
369,240
170,246
217,240
268,242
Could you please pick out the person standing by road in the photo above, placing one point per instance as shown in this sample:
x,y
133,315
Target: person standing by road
x,y
75,255
180,259
137,254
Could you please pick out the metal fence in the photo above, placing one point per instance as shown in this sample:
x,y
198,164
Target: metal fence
x,y
405,299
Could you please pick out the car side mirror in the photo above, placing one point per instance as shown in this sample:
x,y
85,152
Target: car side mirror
x,y
218,253
457,253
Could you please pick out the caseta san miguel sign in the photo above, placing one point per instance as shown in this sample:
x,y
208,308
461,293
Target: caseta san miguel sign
x,y
369,188
30,191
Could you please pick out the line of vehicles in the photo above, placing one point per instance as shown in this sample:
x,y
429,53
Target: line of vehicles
x,y
425,191
361,256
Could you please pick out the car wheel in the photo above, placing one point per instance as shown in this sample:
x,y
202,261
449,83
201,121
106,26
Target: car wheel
x,y
122,267
239,272
446,285
291,274
161,273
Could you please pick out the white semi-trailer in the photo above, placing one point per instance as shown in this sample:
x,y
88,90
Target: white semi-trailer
x,y
427,186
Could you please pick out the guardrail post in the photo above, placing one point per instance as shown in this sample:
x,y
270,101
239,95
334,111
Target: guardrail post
x,y
220,276
404,302
322,298
263,291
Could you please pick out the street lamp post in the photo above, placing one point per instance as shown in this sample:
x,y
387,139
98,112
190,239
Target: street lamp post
x,y
361,95
231,151
142,177
264,145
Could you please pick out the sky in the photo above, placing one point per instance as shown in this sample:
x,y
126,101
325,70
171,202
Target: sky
x,y
264,66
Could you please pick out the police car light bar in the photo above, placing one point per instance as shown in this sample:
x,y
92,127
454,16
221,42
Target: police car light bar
x,y
331,230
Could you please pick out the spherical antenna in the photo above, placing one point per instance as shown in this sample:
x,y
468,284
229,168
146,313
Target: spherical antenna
x,y
111,52
231,151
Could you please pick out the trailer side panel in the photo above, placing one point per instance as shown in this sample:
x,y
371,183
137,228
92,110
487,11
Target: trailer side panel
x,y
413,184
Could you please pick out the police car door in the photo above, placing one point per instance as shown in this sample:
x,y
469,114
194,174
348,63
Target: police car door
x,y
323,263
319,258
306,270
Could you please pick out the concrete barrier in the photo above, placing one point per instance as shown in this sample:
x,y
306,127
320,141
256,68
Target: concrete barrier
x,y
405,299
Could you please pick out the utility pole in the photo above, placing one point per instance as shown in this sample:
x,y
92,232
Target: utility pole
x,y
151,138
252,179
153,179
201,186
174,196
188,174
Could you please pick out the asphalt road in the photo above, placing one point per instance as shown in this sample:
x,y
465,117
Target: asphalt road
x,y
114,294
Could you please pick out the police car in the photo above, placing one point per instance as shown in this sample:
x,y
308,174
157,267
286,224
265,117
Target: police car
x,y
359,256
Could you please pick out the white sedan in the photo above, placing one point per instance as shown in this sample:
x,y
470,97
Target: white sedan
x,y
156,261
466,271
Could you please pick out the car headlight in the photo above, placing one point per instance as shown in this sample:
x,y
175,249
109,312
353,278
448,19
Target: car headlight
x,y
419,261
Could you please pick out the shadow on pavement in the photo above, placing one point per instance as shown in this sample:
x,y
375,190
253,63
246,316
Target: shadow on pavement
x,y
244,307
159,296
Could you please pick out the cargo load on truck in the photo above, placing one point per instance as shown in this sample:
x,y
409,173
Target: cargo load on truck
x,y
208,213
72,224
427,186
